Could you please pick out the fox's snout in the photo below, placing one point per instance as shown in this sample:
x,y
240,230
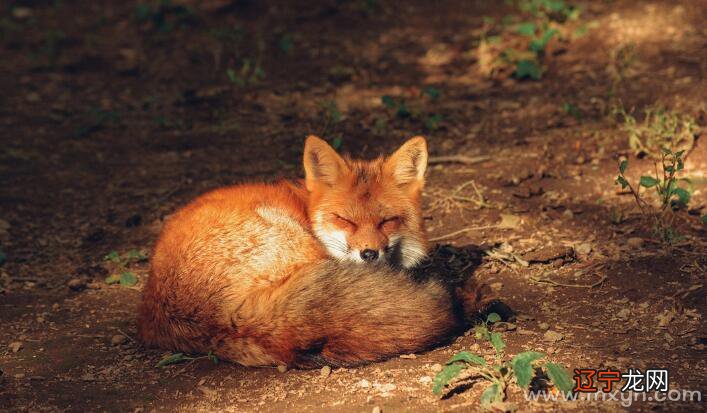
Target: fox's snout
x,y
369,255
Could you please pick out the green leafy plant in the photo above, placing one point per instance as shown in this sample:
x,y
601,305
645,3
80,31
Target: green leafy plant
x,y
518,48
503,371
332,117
572,110
401,108
120,263
667,189
250,73
164,16
176,358
286,43
660,129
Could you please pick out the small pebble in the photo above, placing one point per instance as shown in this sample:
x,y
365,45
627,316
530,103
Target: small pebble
x,y
583,249
118,339
21,13
635,242
15,346
325,372
282,368
76,284
364,383
33,97
376,410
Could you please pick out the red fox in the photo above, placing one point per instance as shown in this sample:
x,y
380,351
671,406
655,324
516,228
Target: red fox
x,y
303,274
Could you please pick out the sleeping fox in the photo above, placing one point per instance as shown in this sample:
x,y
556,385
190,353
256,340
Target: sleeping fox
x,y
304,273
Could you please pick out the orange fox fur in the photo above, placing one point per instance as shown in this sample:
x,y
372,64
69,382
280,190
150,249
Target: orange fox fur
x,y
303,275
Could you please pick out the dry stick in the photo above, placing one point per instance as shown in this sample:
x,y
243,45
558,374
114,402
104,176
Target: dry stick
x,y
128,336
557,284
459,232
466,160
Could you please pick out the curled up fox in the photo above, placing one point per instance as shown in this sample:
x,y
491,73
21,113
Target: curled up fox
x,y
304,273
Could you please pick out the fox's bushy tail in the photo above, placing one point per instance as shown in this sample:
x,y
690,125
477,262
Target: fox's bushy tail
x,y
342,314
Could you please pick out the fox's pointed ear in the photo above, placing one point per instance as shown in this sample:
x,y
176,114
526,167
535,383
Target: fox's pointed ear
x,y
408,164
321,163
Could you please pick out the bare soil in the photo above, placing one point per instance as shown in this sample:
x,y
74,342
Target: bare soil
x,y
109,124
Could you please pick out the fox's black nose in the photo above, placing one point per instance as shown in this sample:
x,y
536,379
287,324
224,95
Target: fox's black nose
x,y
369,255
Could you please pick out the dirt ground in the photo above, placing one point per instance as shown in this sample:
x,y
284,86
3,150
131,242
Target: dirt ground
x,y
112,117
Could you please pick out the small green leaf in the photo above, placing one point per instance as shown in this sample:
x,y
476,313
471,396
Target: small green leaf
x,y
432,121
622,181
402,111
212,357
481,332
432,92
559,377
112,279
112,256
135,255
623,165
493,318
704,219
494,39
467,357
580,31
526,28
388,101
490,395
232,76
445,376
127,279
538,45
497,342
286,43
683,195
527,69
522,365
648,181
171,359
337,142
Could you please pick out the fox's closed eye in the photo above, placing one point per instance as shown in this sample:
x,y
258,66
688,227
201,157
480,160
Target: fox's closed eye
x,y
344,220
389,221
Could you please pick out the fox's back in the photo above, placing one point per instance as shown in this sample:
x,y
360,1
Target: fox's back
x,y
252,234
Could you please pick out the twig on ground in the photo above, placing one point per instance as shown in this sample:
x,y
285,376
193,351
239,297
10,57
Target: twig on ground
x,y
466,160
559,284
460,232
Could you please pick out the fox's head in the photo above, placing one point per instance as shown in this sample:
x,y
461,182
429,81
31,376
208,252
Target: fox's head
x,y
368,211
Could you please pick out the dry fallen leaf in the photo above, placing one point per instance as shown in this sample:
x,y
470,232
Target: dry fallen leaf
x,y
15,346
553,336
509,221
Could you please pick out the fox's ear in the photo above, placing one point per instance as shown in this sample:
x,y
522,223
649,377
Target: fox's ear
x,y
408,163
321,163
